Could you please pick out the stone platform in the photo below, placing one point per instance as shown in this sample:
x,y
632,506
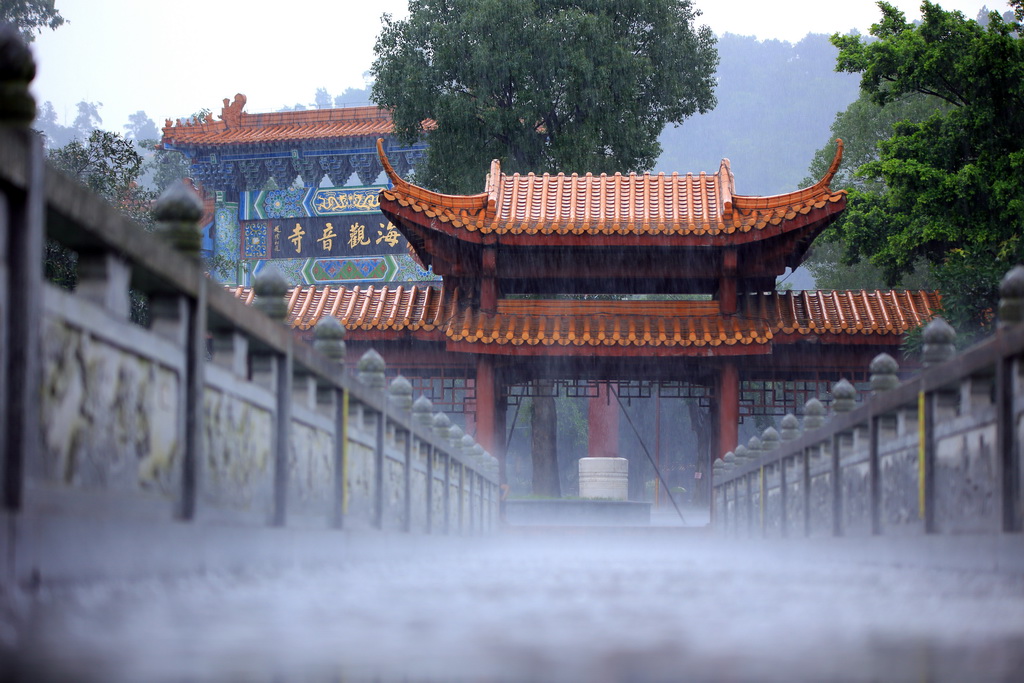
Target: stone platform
x,y
586,512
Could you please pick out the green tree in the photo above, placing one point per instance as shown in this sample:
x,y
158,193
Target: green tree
x,y
164,166
861,127
141,127
30,16
542,85
57,135
109,165
953,184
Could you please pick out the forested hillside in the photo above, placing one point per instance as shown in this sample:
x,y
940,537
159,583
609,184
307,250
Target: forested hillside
x,y
776,102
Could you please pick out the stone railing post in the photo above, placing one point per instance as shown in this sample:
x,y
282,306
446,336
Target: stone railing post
x,y
329,340
844,396
400,394
270,289
939,342
754,449
22,236
790,428
455,435
370,369
422,415
274,371
441,425
1011,297
17,71
884,373
814,415
400,401
182,321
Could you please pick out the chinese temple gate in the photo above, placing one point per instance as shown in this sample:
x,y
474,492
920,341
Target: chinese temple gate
x,y
526,264
282,193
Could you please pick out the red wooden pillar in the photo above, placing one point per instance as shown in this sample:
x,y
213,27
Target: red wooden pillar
x,y
488,280
603,424
486,405
491,406
728,408
727,283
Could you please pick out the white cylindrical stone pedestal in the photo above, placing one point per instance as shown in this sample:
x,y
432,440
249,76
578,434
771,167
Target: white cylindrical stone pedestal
x,y
606,478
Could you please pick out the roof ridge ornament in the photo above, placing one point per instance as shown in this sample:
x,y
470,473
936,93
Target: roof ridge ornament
x,y
834,167
473,203
232,112
726,188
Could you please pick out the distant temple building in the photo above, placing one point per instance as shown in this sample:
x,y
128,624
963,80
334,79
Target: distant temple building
x,y
298,190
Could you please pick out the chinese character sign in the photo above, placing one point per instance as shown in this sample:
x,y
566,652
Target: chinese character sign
x,y
323,236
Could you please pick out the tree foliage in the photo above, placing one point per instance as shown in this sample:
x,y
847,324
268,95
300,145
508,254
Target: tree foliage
x,y
109,165
140,127
87,119
861,127
542,85
949,189
30,16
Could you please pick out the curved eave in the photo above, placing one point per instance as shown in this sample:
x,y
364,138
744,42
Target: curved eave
x,y
812,195
456,204
417,220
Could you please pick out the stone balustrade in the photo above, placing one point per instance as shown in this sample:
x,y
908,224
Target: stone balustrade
x,y
209,422
938,454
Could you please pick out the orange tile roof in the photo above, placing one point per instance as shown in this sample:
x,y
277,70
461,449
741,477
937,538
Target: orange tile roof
x,y
605,205
760,318
372,308
236,126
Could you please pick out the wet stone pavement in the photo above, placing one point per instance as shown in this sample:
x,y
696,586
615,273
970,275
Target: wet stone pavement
x,y
534,605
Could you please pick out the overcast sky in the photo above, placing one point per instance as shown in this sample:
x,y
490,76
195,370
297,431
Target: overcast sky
x,y
171,59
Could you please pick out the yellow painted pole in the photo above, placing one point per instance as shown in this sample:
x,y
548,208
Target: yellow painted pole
x,y
921,436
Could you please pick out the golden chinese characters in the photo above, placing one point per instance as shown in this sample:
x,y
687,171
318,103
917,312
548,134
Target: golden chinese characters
x,y
296,238
357,236
389,235
327,240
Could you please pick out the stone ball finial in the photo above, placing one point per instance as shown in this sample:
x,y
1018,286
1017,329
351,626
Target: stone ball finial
x,y
814,414
466,444
329,338
730,460
177,213
790,427
844,396
400,393
478,453
422,410
741,454
455,435
769,439
1011,297
718,467
17,69
270,289
370,369
884,373
755,447
939,339
441,424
